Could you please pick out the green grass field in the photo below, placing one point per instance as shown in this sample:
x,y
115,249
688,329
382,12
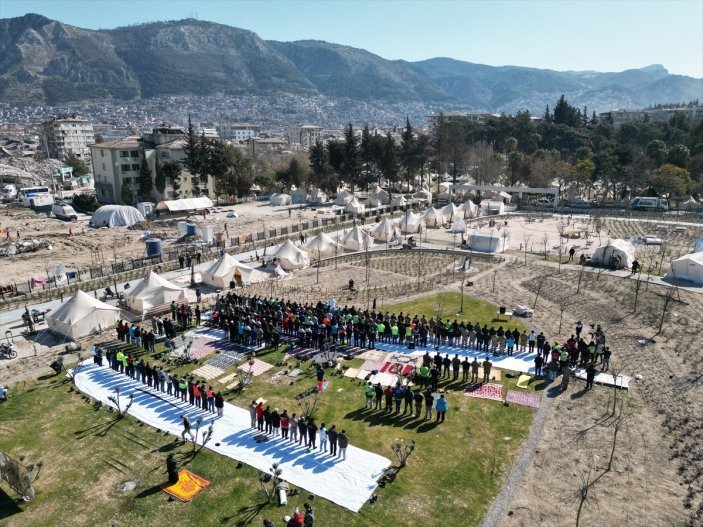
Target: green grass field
x,y
456,470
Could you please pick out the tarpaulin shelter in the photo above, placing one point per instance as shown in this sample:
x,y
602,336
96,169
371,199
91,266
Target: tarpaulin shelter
x,y
82,315
618,253
486,242
318,196
115,216
689,267
343,198
355,207
279,200
433,217
381,195
451,212
470,209
299,196
385,231
410,223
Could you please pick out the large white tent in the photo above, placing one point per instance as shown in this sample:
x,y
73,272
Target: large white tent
x,y
486,242
153,290
423,194
433,217
343,198
321,246
490,207
385,231
410,223
355,206
291,257
381,195
470,209
185,204
689,267
226,269
357,239
317,196
607,255
279,200
299,195
373,203
399,201
81,315
452,212
115,216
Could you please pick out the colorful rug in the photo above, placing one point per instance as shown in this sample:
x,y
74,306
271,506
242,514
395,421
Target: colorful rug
x,y
523,381
396,368
374,355
201,347
485,391
524,399
188,486
257,368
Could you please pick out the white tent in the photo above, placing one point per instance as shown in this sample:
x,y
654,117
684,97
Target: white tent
x,y
152,291
226,269
81,315
433,217
486,242
490,207
321,246
279,200
451,212
399,201
357,239
470,209
373,203
343,198
299,196
355,206
444,187
291,257
317,196
185,204
385,231
689,267
402,187
458,225
410,223
688,203
115,216
607,255
423,194
381,195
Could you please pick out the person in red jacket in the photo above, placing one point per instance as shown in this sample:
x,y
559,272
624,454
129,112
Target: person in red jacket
x,y
260,417
285,424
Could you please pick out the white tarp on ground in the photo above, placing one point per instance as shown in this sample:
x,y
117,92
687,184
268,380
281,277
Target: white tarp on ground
x,y
343,198
115,216
152,291
81,315
689,267
385,231
185,204
348,483
381,195
486,242
355,207
279,200
226,269
318,196
321,246
410,223
606,254
433,217
470,209
291,257
452,212
357,239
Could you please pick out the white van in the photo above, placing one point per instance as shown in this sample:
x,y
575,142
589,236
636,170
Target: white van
x,y
651,204
64,212
9,192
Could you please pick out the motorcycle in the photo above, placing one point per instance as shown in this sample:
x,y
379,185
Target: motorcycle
x,y
7,351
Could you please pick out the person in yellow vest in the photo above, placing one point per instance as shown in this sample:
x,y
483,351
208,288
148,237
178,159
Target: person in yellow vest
x,y
183,388
121,360
394,332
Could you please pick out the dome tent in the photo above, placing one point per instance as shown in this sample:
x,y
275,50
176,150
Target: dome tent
x,y
357,239
433,217
608,255
81,315
279,200
115,216
410,223
385,231
226,269
153,290
321,246
290,257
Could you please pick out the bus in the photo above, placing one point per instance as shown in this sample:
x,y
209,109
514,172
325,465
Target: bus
x,y
27,191
652,204
38,198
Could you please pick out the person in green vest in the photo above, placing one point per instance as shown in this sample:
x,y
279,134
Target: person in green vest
x,y
381,329
369,392
122,361
394,332
424,376
183,388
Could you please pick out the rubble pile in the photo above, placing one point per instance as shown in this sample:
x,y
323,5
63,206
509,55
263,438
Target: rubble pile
x,y
25,246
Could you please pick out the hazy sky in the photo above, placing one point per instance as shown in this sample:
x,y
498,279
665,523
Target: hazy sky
x,y
600,35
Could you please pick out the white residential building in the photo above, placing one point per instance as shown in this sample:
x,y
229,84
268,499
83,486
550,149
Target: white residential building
x,y
68,134
237,132
305,136
116,163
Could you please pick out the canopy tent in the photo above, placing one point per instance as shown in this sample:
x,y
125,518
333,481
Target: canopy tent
x,y
299,196
486,242
321,246
470,209
279,200
689,268
152,291
318,196
290,257
451,212
343,198
226,269
399,201
433,217
385,231
115,216
618,253
357,239
355,206
185,204
82,315
410,223
381,195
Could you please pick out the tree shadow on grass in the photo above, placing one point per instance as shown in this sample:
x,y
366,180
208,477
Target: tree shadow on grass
x,y
245,515
98,430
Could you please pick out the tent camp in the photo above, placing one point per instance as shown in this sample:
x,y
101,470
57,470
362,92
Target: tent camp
x,y
470,209
433,217
290,257
343,198
279,200
115,216
689,268
385,231
451,212
321,246
317,196
82,315
185,204
355,207
410,223
381,195
618,253
226,269
152,291
486,242
299,196
357,239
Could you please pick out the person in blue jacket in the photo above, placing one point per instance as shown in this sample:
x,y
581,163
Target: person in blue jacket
x,y
441,408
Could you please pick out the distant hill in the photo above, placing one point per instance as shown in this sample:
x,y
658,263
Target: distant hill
x,y
44,61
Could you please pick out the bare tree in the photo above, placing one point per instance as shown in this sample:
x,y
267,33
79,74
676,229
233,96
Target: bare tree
x,y
564,303
545,241
308,403
117,401
270,480
526,240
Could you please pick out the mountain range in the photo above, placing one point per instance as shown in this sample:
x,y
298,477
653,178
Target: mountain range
x,y
45,61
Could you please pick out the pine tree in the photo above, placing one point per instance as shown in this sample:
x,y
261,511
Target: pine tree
x,y
146,183
159,179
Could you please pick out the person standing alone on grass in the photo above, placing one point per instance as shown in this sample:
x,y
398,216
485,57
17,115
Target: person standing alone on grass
x,y
441,408
172,469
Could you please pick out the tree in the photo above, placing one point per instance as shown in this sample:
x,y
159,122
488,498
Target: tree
x,y
194,150
293,174
126,193
438,141
172,174
389,161
351,157
408,154
670,180
146,184
679,155
77,164
160,178
657,151
322,170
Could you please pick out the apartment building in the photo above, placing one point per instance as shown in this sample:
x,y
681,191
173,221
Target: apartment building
x,y
66,134
237,132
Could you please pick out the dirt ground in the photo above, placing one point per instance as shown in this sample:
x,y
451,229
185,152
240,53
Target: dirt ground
x,y
604,458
